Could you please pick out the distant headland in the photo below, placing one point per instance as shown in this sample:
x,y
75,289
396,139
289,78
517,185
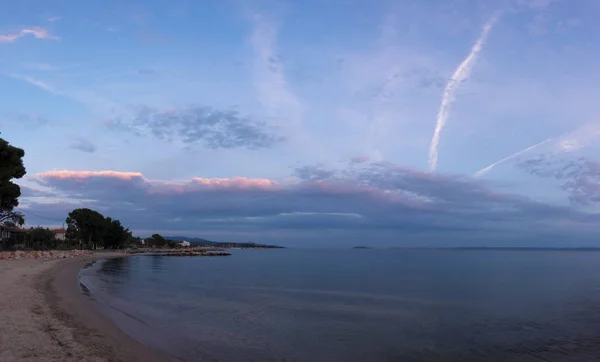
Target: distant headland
x,y
221,244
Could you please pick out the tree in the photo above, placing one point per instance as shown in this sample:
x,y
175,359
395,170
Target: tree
x,y
11,167
158,240
86,225
172,243
41,238
116,235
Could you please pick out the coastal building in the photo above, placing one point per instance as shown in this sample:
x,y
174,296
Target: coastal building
x,y
185,244
60,234
7,231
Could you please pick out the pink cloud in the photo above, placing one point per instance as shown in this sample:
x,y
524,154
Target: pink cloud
x,y
161,186
37,32
9,38
81,175
237,182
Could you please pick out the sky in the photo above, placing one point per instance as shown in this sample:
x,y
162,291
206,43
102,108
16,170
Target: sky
x,y
307,123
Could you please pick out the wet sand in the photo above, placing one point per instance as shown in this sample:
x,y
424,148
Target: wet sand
x,y
45,316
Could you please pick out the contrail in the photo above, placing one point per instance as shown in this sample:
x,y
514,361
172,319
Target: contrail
x,y
485,170
460,74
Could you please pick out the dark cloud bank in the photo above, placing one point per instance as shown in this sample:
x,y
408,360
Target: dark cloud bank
x,y
367,203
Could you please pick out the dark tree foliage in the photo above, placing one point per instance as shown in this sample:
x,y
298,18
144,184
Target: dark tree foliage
x,y
41,238
11,167
92,230
158,241
87,226
116,236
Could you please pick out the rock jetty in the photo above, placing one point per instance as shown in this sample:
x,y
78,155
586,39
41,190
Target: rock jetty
x,y
197,251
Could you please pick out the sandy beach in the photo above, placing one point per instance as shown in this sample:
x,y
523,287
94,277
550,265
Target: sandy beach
x,y
46,317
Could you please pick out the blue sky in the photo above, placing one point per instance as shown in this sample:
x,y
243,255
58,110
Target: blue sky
x,y
390,123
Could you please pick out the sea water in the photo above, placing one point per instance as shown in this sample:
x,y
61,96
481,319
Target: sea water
x,y
358,305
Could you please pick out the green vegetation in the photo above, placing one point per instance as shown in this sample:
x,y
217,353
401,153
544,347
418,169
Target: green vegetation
x,y
11,167
41,238
158,241
89,229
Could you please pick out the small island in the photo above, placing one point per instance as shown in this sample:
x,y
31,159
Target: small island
x,y
362,247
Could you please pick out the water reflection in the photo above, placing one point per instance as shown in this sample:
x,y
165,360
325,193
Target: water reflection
x,y
157,263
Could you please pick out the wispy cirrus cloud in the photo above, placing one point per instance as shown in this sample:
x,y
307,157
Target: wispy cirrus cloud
x,y
274,93
36,32
35,82
460,75
31,119
39,66
573,141
82,95
487,169
579,138
579,177
212,128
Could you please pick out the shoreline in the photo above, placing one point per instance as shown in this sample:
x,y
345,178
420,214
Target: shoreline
x,y
47,317
101,336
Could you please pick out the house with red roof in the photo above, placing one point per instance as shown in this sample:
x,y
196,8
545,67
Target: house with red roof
x,y
60,234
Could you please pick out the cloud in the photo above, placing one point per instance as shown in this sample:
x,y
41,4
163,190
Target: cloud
x,y
53,19
579,138
37,83
29,192
31,119
460,75
373,197
37,32
359,159
487,169
39,66
575,140
81,95
280,103
536,4
313,173
83,145
210,127
82,175
580,177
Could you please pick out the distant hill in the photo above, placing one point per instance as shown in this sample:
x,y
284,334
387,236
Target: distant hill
x,y
362,247
217,244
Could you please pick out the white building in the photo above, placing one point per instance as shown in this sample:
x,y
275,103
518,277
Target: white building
x,y
185,244
60,234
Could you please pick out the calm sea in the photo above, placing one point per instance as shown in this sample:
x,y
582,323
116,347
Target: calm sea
x,y
358,305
